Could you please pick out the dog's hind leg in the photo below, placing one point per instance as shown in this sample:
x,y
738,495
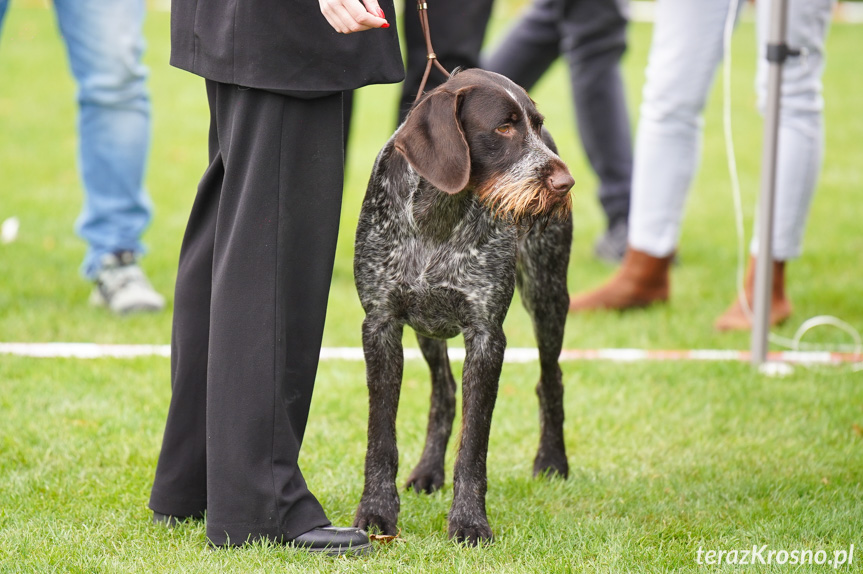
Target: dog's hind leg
x,y
468,521
541,279
428,475
382,345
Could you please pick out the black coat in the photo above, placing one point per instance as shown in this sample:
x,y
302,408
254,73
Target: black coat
x,y
280,45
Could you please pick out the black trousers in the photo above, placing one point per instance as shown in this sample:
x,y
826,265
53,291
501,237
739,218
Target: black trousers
x,y
251,294
591,36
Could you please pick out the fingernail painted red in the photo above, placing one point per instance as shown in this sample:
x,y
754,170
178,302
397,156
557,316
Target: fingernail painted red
x,y
385,25
381,13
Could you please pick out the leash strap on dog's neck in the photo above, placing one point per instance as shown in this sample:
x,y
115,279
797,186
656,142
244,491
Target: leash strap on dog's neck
x,y
422,8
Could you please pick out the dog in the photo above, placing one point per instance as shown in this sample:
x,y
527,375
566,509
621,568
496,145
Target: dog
x,y
466,200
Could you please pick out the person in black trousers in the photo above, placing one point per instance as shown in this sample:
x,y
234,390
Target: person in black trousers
x,y
591,35
257,259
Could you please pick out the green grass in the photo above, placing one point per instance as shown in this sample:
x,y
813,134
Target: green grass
x,y
665,457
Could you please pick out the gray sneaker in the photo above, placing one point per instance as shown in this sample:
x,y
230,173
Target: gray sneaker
x,y
122,287
611,246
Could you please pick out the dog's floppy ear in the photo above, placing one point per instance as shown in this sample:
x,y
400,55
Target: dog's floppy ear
x,y
433,142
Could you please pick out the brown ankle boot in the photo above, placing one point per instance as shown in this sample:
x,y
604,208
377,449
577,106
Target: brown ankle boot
x,y
641,280
736,318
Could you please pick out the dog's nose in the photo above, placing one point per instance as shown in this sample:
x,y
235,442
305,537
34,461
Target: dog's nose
x,y
560,181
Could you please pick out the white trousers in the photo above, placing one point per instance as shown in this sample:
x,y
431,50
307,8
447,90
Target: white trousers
x,y
684,55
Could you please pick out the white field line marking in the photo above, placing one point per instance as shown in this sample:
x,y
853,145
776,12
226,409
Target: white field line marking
x,y
83,350
513,355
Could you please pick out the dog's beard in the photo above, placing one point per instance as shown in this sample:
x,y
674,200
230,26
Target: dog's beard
x,y
524,201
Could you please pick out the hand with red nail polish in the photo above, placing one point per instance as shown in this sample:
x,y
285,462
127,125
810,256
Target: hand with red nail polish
x,y
348,16
384,16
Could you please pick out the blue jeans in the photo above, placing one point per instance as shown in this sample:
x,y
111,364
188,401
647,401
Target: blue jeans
x,y
105,43
684,56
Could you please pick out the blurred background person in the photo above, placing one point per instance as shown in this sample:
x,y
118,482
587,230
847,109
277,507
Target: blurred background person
x,y
686,49
104,43
591,36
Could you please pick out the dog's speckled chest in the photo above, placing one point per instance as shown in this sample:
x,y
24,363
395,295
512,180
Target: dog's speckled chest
x,y
438,262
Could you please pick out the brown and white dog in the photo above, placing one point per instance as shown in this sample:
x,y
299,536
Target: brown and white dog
x,y
466,200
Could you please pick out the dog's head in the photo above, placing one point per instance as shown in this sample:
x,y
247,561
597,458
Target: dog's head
x,y
480,131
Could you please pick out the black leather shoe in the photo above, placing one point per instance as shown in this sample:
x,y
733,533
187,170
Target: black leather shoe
x,y
334,541
170,520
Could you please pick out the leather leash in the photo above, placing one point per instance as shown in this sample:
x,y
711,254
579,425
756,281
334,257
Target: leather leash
x,y
422,8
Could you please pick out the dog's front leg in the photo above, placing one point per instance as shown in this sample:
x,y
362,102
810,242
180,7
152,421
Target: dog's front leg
x,y
483,362
541,279
382,345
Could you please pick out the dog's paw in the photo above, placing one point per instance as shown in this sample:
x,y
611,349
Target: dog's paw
x,y
471,534
547,465
377,515
374,523
468,524
425,479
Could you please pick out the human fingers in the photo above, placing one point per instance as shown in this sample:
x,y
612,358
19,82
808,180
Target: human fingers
x,y
336,15
372,7
348,16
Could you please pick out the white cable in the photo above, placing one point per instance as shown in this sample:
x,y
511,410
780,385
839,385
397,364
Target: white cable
x,y
821,320
828,320
730,19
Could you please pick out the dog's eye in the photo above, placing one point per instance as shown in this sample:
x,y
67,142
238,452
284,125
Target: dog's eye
x,y
504,129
